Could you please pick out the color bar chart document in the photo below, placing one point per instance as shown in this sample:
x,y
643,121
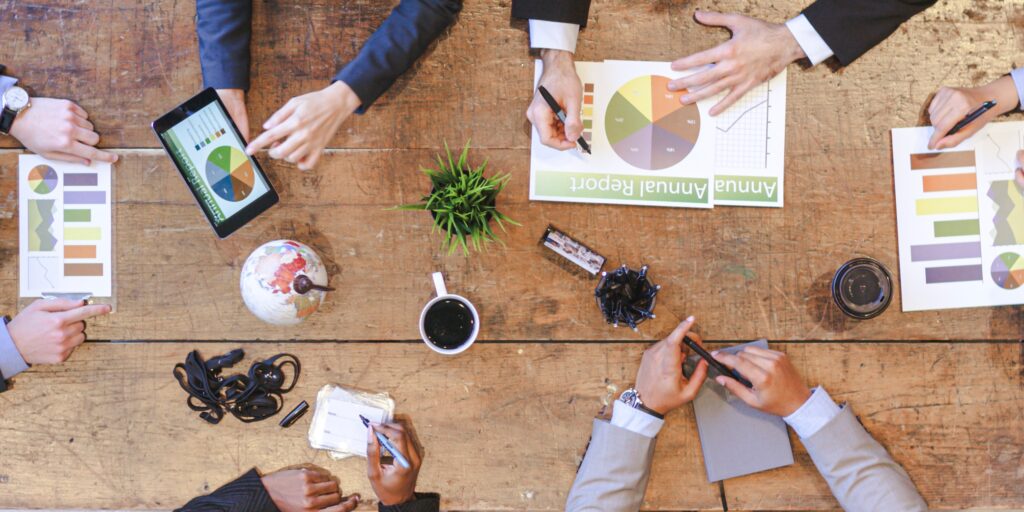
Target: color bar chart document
x,y
960,219
650,149
64,227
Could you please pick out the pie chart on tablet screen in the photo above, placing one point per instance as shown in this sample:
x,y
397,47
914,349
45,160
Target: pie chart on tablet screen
x,y
230,173
648,127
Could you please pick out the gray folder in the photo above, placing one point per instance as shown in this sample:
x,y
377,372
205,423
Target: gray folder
x,y
737,439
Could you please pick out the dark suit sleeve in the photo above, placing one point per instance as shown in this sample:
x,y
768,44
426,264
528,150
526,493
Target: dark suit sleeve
x,y
246,494
225,29
403,37
424,502
852,27
564,11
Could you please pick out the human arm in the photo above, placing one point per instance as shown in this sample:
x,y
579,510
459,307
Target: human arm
x,y
224,29
394,485
858,470
952,104
45,332
304,489
852,27
616,466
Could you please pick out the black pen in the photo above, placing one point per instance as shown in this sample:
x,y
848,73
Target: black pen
x,y
985,107
722,369
561,115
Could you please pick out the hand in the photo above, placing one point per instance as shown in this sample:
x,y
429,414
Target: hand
x,y
48,330
234,101
951,104
307,488
757,51
299,132
560,79
1019,175
778,388
60,130
393,484
660,380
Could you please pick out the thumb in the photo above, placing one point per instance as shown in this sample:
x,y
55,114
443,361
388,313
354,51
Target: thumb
x,y
739,390
57,305
573,123
714,19
676,337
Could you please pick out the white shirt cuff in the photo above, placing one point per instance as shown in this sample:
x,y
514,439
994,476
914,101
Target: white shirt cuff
x,y
635,420
810,41
1018,82
554,35
815,413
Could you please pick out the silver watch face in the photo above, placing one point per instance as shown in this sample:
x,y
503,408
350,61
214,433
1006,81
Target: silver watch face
x,y
16,98
630,397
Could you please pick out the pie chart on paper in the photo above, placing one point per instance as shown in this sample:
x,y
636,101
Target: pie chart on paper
x,y
648,127
1008,270
42,179
230,173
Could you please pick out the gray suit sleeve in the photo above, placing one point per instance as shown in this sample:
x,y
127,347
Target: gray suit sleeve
x,y
614,473
861,474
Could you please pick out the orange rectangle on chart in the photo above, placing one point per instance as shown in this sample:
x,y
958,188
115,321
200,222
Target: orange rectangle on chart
x,y
588,100
83,269
946,182
919,161
81,252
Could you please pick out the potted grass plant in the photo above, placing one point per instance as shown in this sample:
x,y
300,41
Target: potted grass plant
x,y
463,203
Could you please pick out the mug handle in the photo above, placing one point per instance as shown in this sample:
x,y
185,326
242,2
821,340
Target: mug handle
x,y
439,284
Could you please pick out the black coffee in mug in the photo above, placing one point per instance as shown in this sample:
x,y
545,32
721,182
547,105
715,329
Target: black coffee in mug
x,y
449,324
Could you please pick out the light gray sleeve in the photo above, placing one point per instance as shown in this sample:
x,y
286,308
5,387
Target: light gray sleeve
x,y
861,474
614,473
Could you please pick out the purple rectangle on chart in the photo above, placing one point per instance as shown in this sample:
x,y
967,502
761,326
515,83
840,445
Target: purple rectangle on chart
x,y
952,274
72,179
945,251
85,197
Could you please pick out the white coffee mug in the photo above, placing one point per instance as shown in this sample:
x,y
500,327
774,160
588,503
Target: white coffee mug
x,y
442,294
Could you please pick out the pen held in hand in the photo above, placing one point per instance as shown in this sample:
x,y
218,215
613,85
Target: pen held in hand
x,y
557,109
985,107
386,443
721,368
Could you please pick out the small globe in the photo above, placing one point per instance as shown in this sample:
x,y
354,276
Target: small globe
x,y
268,278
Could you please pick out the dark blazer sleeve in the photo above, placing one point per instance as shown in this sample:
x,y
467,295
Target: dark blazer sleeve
x,y
424,502
564,11
246,494
852,27
403,37
225,29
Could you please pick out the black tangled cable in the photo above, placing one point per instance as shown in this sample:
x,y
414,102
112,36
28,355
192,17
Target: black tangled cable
x,y
249,397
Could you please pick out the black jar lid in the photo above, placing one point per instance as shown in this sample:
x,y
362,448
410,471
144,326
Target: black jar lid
x,y
862,288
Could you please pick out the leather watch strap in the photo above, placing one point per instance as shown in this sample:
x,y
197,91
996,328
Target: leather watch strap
x,y
6,120
3,380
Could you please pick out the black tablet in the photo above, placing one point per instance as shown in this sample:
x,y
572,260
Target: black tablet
x,y
209,152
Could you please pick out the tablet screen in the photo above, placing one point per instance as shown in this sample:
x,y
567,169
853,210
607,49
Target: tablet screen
x,y
213,160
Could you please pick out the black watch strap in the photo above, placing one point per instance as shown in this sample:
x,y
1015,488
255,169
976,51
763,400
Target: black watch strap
x,y
3,380
6,120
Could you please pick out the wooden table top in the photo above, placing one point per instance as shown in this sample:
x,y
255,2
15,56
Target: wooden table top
x,y
949,410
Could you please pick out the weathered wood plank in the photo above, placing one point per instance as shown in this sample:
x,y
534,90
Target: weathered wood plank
x,y
504,426
745,273
128,62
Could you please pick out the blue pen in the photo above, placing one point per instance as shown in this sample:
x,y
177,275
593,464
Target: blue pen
x,y
386,443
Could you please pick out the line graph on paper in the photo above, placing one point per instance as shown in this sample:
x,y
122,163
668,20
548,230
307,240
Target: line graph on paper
x,y
742,131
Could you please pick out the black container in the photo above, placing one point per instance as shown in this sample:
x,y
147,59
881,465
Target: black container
x,y
862,288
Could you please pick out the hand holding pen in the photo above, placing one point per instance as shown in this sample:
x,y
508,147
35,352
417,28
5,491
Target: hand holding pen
x,y
563,86
957,113
394,484
777,387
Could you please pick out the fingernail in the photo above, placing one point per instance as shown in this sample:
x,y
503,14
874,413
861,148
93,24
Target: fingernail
x,y
689,318
714,354
369,435
685,100
672,86
720,380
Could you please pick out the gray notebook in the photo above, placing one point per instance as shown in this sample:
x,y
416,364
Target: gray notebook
x,y
737,439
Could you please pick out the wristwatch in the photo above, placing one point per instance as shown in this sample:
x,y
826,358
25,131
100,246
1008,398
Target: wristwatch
x,y
631,397
15,100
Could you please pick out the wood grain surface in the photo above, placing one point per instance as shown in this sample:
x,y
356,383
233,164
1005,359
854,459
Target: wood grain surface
x,y
505,424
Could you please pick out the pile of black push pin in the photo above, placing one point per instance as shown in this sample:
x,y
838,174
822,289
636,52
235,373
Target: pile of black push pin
x,y
626,296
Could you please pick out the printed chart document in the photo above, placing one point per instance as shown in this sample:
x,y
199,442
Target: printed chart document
x,y
960,219
650,149
64,227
